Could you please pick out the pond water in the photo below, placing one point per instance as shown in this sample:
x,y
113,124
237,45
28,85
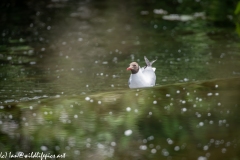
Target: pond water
x,y
64,84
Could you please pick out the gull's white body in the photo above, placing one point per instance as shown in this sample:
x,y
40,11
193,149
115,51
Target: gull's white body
x,y
145,77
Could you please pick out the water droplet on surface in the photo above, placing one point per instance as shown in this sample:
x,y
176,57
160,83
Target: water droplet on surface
x,y
205,148
168,95
158,147
87,98
228,144
128,132
57,148
144,12
176,148
77,152
143,147
186,79
202,158
165,152
211,140
153,151
169,141
128,109
160,11
113,143
209,94
88,145
100,145
224,150
184,109
67,148
44,148
199,115
105,62
144,141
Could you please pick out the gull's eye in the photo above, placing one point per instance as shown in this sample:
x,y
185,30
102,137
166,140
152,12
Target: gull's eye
x,y
134,65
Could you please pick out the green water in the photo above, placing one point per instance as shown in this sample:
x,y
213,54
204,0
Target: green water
x,y
64,84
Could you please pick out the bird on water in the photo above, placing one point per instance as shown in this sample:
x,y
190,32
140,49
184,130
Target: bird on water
x,y
142,77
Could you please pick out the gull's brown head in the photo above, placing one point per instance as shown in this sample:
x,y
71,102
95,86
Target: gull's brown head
x,y
133,67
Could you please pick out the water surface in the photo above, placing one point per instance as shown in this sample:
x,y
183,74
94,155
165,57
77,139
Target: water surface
x,y
64,81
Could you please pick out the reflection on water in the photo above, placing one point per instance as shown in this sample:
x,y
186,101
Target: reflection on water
x,y
182,121
64,82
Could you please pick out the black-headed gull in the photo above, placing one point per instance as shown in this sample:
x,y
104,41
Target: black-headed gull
x,y
142,77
